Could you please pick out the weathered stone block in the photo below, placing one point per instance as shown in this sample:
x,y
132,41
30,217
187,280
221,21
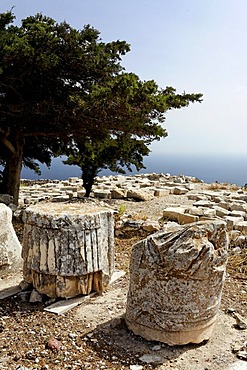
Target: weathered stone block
x,y
201,211
221,212
10,247
162,192
68,249
118,193
232,221
178,214
176,281
140,194
178,190
241,226
102,194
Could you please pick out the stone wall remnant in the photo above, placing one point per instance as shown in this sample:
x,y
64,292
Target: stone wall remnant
x,y
176,280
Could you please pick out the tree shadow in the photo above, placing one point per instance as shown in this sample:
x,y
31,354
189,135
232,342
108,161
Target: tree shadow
x,y
112,340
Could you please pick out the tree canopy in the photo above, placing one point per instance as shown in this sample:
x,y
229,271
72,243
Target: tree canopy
x,y
60,86
113,153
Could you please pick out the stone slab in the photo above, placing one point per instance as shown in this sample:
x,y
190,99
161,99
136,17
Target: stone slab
x,y
64,306
8,292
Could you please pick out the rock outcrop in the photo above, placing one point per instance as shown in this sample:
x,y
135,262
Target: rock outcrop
x,y
176,280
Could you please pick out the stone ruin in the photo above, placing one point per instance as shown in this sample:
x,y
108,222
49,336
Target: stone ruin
x,y
176,280
68,248
10,247
176,277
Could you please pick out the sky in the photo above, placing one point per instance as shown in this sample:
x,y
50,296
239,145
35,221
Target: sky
x,y
196,46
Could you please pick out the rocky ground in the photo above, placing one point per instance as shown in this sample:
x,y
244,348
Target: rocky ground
x,y
94,335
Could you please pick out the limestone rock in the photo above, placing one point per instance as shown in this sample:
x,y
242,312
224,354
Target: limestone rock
x,y
176,280
201,212
178,190
238,365
68,249
161,192
149,225
233,221
35,297
241,226
139,194
118,193
10,247
220,212
178,214
102,193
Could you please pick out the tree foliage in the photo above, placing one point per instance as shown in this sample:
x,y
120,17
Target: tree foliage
x,y
60,86
114,153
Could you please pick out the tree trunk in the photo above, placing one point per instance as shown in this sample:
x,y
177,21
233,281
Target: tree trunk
x,y
88,176
12,170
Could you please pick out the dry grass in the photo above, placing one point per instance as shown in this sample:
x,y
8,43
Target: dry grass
x,y
237,264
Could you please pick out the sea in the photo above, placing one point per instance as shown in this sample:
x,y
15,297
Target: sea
x,y
222,168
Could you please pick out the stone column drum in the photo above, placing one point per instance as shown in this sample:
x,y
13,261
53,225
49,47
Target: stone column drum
x,y
176,280
68,248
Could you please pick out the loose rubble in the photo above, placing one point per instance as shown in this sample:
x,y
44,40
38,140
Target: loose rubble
x,y
203,201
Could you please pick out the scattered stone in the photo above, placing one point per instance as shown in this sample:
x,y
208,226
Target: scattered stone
x,y
161,192
118,193
151,359
242,355
8,292
178,214
236,250
136,367
231,310
150,226
240,321
35,297
136,224
102,194
238,365
241,226
54,345
157,347
140,195
178,190
24,285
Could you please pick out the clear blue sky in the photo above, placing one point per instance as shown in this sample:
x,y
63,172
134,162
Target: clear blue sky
x,y
192,45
